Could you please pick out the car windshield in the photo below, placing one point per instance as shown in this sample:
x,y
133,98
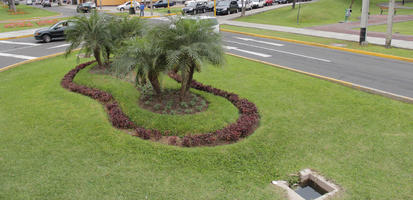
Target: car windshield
x,y
223,3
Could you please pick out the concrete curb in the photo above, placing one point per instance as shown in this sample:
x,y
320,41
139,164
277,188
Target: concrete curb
x,y
29,61
323,45
17,37
341,82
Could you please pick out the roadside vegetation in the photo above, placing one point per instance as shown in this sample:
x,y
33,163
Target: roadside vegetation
x,y
404,28
18,26
316,13
23,12
347,44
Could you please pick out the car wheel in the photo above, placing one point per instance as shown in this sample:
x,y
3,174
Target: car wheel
x,y
122,9
204,11
46,38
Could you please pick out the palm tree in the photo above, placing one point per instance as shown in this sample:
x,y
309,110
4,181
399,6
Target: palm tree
x,y
91,33
145,57
189,44
122,29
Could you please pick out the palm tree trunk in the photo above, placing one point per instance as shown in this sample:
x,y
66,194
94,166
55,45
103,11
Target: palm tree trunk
x,y
153,78
107,61
96,54
190,77
183,85
12,5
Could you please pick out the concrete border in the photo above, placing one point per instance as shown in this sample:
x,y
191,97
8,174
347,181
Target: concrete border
x,y
341,82
29,61
17,37
322,45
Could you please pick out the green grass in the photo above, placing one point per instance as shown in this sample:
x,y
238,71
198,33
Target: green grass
x,y
165,10
29,12
3,29
220,111
56,144
313,14
351,45
404,28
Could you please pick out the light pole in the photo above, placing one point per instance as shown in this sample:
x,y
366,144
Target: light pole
x,y
390,23
363,22
169,11
132,8
215,7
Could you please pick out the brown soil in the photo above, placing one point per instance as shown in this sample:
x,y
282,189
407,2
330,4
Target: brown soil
x,y
168,103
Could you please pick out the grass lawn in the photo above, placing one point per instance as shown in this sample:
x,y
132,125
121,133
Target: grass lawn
x,y
351,45
29,12
165,10
313,14
405,28
56,144
3,29
220,111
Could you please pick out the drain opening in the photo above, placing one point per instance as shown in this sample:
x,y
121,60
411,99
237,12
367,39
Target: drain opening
x,y
309,190
311,186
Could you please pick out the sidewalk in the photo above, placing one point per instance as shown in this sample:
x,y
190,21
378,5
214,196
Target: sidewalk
x,y
326,34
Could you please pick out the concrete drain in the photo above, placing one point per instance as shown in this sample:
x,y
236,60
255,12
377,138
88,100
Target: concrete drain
x,y
311,186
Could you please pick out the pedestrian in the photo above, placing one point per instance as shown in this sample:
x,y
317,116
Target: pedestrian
x,y
141,8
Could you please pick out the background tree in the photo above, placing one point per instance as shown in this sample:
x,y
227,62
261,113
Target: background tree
x,y
90,33
189,45
144,56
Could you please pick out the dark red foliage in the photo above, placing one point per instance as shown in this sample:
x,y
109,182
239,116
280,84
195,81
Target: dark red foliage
x,y
244,126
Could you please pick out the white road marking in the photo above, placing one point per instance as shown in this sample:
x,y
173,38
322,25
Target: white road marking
x,y
259,41
246,51
17,56
20,43
58,46
280,51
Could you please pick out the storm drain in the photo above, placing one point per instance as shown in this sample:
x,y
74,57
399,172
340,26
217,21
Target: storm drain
x,y
311,186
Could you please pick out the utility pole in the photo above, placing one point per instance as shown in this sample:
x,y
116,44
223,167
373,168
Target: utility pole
x,y
294,3
390,23
215,7
363,22
243,2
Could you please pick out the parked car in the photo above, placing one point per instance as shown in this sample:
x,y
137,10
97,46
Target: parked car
x,y
268,2
46,3
210,6
29,2
126,6
194,8
163,4
257,3
247,4
281,1
226,7
55,31
38,2
85,7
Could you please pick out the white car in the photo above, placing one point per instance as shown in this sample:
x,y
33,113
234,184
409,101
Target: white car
x,y
247,3
126,6
29,2
257,3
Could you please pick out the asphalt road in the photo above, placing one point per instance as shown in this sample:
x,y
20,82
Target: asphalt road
x,y
384,74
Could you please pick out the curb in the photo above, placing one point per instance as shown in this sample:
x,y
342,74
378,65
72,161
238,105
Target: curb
x,y
17,37
29,61
333,80
323,45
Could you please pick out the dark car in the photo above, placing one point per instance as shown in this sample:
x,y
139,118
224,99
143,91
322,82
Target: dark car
x,y
194,8
55,31
85,7
163,4
46,3
227,7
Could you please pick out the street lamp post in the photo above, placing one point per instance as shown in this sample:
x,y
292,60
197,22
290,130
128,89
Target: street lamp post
x,y
132,8
215,7
363,21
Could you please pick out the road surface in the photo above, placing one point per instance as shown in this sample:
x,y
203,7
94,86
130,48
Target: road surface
x,y
389,75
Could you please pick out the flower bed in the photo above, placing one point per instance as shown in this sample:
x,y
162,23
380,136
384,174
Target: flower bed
x,y
244,126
